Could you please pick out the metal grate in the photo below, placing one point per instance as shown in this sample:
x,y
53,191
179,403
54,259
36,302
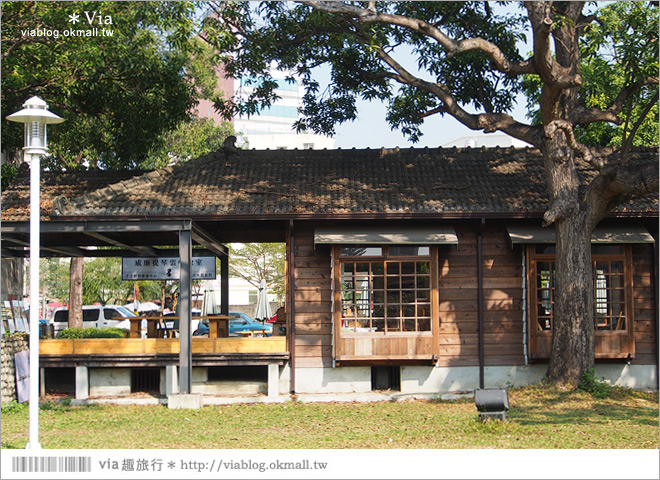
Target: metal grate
x,y
145,380
386,377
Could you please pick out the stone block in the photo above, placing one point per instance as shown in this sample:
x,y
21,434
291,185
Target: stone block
x,y
190,401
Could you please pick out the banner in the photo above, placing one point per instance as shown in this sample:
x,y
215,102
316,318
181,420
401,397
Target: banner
x,y
165,268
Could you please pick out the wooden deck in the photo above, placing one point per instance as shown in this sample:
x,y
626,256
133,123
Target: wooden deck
x,y
154,346
123,352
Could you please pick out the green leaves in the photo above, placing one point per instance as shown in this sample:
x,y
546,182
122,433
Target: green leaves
x,y
118,93
296,37
619,51
189,140
73,333
8,175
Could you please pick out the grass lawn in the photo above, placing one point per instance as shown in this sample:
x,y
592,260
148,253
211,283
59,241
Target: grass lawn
x,y
539,418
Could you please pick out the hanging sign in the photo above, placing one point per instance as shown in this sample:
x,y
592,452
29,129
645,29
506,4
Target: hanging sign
x,y
165,268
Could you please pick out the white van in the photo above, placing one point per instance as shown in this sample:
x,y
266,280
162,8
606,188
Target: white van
x,y
96,316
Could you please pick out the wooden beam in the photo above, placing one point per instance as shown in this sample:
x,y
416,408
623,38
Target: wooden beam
x,y
435,298
224,285
204,238
139,249
121,349
63,251
291,330
336,300
100,226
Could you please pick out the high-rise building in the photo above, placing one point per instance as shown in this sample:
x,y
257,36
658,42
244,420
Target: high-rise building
x,y
271,127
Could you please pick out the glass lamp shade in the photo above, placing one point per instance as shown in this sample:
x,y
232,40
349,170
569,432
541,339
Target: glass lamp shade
x,y
35,115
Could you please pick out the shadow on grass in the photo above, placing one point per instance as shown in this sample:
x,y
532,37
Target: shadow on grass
x,y
598,413
538,405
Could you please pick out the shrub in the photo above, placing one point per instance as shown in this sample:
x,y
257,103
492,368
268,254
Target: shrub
x,y
13,407
597,388
92,333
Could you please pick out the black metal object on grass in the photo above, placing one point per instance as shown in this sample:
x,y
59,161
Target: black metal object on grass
x,y
492,403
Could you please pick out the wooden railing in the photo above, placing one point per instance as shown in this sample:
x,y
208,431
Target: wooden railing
x,y
154,346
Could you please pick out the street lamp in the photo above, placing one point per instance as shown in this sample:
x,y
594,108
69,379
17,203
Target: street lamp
x,y
35,116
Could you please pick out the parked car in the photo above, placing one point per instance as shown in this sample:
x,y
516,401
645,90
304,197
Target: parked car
x,y
96,316
240,322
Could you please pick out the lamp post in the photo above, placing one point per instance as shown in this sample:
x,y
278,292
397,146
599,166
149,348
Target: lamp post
x,y
35,116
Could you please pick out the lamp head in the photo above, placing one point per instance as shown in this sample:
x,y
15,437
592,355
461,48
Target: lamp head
x,y
35,115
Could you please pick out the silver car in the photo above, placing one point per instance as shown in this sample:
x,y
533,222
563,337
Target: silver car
x,y
96,316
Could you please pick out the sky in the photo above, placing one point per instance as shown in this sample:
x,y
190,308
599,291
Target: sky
x,y
371,129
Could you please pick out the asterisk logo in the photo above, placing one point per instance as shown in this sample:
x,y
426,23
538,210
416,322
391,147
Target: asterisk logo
x,y
74,18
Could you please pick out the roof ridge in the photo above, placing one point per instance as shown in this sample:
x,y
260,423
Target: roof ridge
x,y
63,205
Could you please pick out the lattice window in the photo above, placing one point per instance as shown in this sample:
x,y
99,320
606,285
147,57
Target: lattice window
x,y
609,287
386,289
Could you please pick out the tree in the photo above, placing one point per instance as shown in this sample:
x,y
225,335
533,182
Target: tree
x,y
468,66
190,140
119,91
55,275
102,282
126,93
256,261
77,273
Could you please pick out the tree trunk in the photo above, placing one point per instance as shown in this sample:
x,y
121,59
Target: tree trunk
x,y
572,351
75,292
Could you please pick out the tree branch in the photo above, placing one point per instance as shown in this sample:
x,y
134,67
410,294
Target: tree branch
x,y
488,122
452,47
551,129
629,140
548,69
433,111
618,183
585,116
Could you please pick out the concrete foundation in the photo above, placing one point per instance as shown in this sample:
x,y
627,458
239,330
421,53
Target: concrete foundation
x,y
273,380
171,380
184,401
441,380
422,381
82,383
640,377
109,381
333,380
230,387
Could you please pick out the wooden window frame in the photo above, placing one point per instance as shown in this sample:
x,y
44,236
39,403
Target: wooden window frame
x,y
392,347
609,341
387,259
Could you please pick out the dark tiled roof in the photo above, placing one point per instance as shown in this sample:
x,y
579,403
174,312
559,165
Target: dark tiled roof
x,y
16,199
283,182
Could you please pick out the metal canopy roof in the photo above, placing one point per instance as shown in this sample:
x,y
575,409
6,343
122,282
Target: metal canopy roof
x,y
604,234
127,237
396,235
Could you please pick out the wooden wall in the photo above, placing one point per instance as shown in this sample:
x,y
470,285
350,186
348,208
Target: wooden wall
x,y
313,301
503,299
644,304
504,331
503,326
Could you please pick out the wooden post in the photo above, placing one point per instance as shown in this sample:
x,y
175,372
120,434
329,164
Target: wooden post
x,y
480,301
292,299
224,284
185,288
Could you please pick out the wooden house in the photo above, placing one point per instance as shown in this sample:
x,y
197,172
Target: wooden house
x,y
418,270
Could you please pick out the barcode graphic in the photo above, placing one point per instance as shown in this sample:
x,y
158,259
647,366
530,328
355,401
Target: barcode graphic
x,y
51,464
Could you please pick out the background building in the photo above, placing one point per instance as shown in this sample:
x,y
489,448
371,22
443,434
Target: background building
x,y
272,127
